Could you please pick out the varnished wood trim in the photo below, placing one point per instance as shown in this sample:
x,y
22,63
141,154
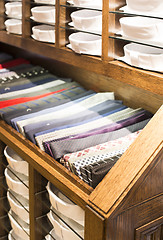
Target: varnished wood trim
x,y
148,228
26,13
105,30
36,207
94,225
124,225
148,80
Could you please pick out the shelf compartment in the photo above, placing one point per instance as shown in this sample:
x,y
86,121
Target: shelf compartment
x,y
46,205
60,223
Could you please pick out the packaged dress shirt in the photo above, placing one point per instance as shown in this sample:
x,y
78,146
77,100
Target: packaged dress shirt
x,y
85,43
87,20
142,56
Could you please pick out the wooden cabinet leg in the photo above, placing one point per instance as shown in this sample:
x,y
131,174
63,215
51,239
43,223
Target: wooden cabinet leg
x,y
94,225
37,206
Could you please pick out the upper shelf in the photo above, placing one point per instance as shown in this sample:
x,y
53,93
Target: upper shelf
x,y
106,64
148,80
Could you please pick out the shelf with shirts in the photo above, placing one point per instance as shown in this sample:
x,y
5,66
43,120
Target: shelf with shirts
x,y
100,65
115,69
130,33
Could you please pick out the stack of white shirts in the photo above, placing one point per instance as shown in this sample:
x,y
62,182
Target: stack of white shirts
x,y
14,13
147,31
66,217
45,15
17,179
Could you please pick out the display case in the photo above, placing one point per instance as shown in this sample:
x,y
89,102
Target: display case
x,y
128,202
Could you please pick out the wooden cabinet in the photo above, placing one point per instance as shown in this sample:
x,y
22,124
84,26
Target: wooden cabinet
x,y
128,203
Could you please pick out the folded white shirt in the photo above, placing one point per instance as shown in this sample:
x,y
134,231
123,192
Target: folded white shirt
x,y
142,56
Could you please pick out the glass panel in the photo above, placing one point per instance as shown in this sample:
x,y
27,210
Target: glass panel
x,y
4,238
5,224
130,13
70,27
37,3
45,203
19,223
71,5
147,43
45,225
21,177
64,220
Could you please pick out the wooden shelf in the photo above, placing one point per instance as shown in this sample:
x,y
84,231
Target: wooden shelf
x,y
128,203
147,80
130,195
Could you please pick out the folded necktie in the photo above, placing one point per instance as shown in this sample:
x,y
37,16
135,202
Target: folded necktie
x,y
12,78
92,174
11,102
109,118
58,148
76,160
33,82
36,117
51,82
76,107
17,109
13,63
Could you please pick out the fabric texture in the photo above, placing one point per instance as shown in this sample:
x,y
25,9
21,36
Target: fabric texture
x,y
92,174
75,107
77,143
100,152
52,135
